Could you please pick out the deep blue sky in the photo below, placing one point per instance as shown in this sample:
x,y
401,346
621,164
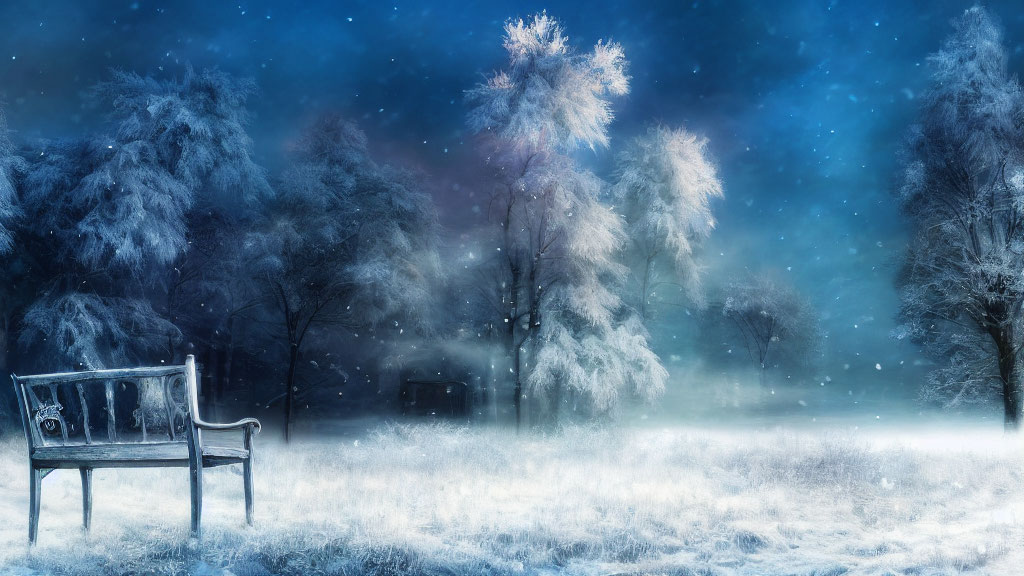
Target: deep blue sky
x,y
805,103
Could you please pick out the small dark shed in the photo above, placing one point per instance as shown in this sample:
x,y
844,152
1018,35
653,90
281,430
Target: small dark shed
x,y
440,398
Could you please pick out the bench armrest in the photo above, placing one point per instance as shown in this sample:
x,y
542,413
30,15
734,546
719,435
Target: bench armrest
x,y
244,422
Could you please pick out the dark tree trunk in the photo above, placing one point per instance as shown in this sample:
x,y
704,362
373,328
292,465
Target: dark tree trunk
x,y
4,339
517,388
1009,373
224,353
535,295
207,388
229,352
512,345
530,338
171,349
556,403
289,396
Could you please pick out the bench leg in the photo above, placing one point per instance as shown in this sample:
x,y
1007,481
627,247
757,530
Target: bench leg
x,y
247,473
35,481
86,497
196,489
247,480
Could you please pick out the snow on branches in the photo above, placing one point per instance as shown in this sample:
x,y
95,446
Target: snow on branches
x,y
96,331
666,182
561,244
107,216
550,96
777,323
963,279
11,166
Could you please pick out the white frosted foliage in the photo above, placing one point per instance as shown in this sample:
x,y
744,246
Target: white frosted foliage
x,y
666,182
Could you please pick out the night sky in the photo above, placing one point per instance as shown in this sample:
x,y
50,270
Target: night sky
x,y
805,104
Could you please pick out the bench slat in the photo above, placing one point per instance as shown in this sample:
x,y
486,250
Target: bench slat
x,y
85,413
118,374
142,419
34,405
151,454
111,423
175,410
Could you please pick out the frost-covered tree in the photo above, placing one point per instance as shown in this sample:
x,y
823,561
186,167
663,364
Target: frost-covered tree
x,y
195,128
107,216
963,192
582,344
96,331
560,278
79,313
175,141
11,166
777,323
666,182
349,243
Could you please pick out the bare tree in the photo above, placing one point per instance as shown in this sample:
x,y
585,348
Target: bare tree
x,y
774,319
349,243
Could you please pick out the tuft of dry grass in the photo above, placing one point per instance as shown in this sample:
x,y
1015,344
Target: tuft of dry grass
x,y
435,499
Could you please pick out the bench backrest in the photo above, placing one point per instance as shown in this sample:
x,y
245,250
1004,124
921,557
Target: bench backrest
x,y
108,406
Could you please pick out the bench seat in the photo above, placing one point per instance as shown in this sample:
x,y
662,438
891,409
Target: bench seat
x,y
139,455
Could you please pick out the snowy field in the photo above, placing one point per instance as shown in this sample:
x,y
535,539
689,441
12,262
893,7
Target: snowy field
x,y
442,500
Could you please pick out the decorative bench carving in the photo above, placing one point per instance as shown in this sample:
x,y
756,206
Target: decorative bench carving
x,y
140,417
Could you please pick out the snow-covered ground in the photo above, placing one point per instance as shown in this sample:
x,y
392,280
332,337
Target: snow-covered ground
x,y
442,500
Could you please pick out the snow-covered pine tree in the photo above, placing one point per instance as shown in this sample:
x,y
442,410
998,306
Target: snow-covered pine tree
x,y
79,315
560,243
175,141
198,126
110,214
963,193
666,182
195,127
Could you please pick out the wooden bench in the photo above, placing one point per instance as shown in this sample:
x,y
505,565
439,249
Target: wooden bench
x,y
141,417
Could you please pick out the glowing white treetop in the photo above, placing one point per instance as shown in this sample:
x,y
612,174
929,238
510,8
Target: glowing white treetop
x,y
561,288
550,96
963,191
666,183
